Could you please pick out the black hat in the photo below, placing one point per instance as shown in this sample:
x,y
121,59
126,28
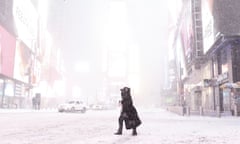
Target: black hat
x,y
126,89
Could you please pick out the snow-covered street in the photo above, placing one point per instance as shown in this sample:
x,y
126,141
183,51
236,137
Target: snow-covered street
x,y
97,127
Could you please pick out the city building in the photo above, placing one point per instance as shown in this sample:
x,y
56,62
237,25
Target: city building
x,y
23,46
207,35
19,24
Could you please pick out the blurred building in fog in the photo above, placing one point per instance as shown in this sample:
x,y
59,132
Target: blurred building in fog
x,y
207,36
52,82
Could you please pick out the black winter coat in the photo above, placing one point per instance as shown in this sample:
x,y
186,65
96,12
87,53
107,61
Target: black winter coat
x,y
129,112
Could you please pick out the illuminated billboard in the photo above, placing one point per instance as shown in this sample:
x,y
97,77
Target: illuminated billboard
x,y
7,52
23,61
207,24
26,22
187,33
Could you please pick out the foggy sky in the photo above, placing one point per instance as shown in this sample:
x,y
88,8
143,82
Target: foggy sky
x,y
84,28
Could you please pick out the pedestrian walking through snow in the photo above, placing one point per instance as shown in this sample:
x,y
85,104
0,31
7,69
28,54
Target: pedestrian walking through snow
x,y
128,113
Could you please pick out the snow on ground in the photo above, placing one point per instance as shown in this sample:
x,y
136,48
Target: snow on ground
x,y
97,127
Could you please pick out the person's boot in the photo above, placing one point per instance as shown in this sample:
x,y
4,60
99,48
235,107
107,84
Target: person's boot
x,y
119,132
120,123
134,132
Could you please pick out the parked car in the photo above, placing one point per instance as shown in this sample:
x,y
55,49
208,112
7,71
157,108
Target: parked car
x,y
72,106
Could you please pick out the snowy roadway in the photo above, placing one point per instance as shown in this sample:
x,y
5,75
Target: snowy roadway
x,y
97,127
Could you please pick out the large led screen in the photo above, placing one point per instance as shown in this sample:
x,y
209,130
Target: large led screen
x,y
207,24
187,33
23,62
7,52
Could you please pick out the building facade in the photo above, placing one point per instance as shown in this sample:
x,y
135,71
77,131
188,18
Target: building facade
x,y
209,39
22,53
17,52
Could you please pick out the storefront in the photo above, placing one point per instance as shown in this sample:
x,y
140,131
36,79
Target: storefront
x,y
224,70
14,93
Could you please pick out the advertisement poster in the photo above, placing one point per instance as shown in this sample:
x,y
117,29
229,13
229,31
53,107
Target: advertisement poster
x,y
26,22
207,24
187,33
22,67
7,52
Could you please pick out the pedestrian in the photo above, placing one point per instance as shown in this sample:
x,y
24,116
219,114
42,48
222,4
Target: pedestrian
x,y
34,103
128,113
38,100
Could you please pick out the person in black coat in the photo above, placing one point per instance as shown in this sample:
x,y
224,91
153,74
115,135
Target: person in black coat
x,y
128,113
